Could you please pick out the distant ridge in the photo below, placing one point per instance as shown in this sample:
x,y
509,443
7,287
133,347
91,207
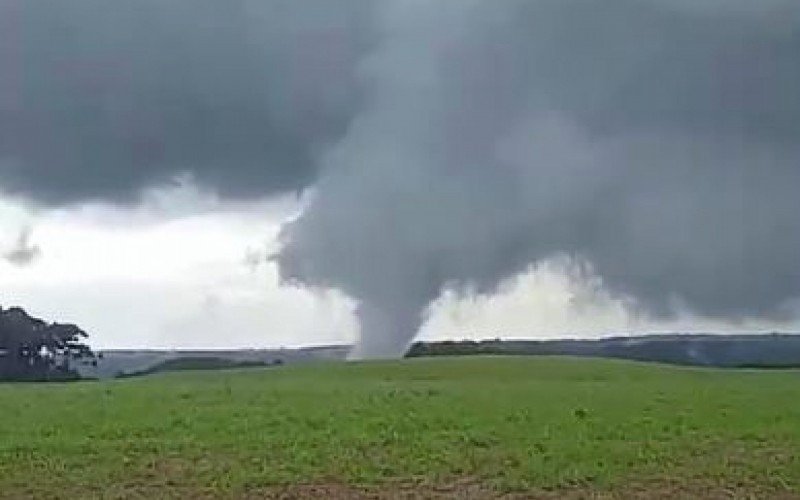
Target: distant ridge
x,y
128,362
774,350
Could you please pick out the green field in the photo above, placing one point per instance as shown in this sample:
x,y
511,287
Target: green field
x,y
455,427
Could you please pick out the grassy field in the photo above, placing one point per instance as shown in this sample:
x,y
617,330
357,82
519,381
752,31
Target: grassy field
x,y
455,427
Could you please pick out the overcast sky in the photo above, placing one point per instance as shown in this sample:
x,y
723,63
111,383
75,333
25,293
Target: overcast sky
x,y
197,173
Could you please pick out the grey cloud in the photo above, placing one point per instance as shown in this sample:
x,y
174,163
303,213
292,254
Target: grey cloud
x,y
448,143
99,99
656,141
23,253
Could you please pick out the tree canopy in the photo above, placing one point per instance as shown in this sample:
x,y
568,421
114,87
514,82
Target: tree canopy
x,y
32,349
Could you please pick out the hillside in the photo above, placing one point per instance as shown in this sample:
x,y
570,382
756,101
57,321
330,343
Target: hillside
x,y
729,351
725,351
447,428
125,362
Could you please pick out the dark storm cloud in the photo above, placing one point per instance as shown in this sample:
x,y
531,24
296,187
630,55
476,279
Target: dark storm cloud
x,y
655,140
99,98
448,142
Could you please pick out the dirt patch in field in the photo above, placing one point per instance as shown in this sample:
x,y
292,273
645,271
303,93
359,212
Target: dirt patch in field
x,y
471,490
466,489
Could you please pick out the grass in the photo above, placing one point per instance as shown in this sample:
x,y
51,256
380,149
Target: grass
x,y
506,424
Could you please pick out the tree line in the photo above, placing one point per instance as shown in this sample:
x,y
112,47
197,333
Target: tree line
x,y
34,350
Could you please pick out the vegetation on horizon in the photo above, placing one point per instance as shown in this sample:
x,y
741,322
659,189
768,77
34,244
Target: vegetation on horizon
x,y
191,363
34,350
775,350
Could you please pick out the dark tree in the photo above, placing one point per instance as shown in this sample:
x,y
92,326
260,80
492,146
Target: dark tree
x,y
31,349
